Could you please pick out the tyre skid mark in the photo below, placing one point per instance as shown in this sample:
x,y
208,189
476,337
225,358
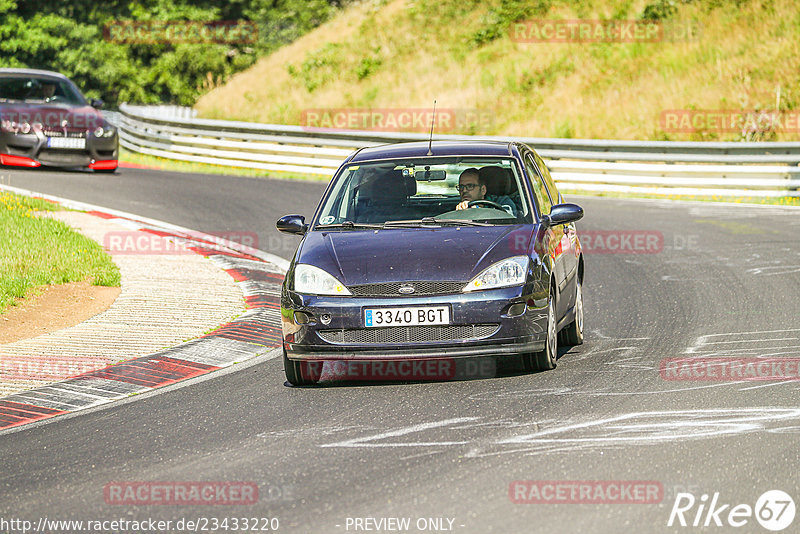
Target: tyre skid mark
x,y
615,432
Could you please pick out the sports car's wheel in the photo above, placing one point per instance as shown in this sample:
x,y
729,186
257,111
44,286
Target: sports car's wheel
x,y
573,332
294,373
546,359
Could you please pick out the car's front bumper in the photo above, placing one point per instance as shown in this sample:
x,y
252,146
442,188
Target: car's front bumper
x,y
30,149
500,333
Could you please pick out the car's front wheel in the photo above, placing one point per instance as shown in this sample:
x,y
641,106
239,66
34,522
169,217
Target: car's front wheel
x,y
294,372
546,359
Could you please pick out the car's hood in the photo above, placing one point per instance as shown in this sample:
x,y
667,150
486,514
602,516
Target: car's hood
x,y
53,115
437,254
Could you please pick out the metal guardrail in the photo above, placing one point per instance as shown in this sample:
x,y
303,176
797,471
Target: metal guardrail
x,y
659,167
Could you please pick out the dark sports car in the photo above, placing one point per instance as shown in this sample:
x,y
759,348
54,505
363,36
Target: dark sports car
x,y
45,120
421,252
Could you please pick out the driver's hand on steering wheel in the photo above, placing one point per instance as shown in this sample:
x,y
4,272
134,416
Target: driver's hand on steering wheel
x,y
463,205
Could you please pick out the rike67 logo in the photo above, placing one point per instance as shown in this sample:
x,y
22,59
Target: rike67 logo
x,y
774,510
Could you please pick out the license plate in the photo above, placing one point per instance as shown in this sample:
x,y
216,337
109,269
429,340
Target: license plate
x,y
427,315
66,142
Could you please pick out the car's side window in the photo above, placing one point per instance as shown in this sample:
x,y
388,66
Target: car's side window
x,y
555,196
539,190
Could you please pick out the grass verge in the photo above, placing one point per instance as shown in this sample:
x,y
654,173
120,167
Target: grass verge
x,y
37,251
190,167
767,201
205,168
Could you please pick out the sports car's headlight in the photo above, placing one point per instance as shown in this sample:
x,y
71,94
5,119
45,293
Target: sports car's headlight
x,y
315,281
506,273
108,131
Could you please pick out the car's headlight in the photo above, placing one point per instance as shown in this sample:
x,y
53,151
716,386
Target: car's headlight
x,y
506,273
315,281
108,131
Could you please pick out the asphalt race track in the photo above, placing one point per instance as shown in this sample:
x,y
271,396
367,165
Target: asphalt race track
x,y
722,281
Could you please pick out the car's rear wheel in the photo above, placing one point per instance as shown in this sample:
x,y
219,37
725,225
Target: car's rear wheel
x,y
294,374
546,359
573,333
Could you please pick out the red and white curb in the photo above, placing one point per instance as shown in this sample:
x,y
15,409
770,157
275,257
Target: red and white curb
x,y
253,333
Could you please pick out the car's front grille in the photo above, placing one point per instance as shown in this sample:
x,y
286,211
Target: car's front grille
x,y
408,334
421,289
78,158
80,134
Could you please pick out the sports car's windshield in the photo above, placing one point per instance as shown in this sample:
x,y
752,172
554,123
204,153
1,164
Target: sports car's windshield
x,y
39,90
424,191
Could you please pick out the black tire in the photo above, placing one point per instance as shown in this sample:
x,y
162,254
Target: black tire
x,y
294,373
546,360
106,171
572,334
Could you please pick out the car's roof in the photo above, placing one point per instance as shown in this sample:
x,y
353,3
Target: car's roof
x,y
419,149
32,72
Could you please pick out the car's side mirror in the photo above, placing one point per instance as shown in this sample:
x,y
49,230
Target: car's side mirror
x,y
563,214
292,224
96,103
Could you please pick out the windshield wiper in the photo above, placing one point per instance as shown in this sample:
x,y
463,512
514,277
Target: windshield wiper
x,y
349,225
433,221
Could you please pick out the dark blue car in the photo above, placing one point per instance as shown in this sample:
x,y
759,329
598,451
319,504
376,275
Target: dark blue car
x,y
422,254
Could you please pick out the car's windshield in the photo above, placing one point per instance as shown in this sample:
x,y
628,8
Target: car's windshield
x,y
39,90
452,190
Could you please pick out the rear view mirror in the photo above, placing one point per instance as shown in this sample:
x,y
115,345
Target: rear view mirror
x,y
430,176
292,224
563,214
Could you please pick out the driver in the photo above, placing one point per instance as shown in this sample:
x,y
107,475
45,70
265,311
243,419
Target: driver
x,y
48,91
472,187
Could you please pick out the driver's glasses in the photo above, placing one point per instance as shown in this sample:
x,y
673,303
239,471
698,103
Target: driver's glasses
x,y
466,187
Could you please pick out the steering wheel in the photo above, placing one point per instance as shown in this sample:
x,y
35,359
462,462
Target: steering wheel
x,y
487,202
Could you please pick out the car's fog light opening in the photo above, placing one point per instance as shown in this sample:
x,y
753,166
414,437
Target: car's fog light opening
x,y
515,310
303,317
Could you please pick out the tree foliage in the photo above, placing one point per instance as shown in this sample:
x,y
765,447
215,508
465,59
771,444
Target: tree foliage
x,y
69,37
